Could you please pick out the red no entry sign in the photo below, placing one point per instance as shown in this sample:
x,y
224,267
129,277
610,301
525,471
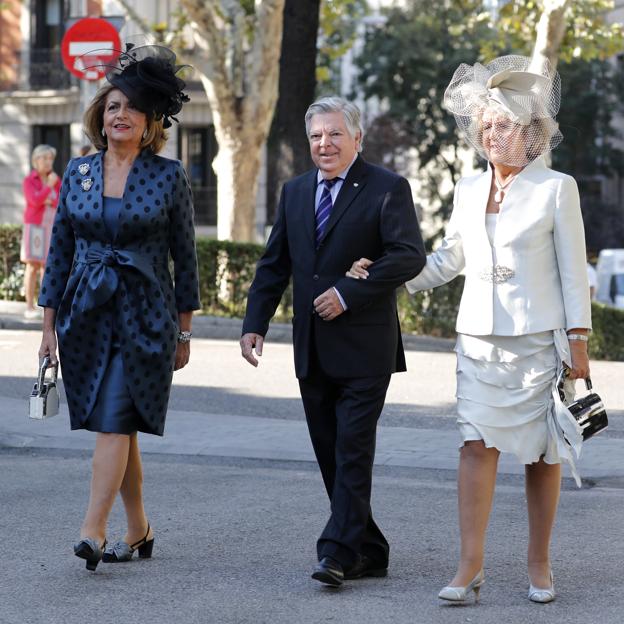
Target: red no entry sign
x,y
89,45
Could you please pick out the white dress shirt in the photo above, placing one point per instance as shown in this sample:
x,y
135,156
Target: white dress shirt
x,y
335,189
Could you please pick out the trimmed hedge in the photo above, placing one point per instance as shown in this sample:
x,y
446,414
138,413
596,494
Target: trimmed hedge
x,y
431,312
11,269
226,270
225,275
607,339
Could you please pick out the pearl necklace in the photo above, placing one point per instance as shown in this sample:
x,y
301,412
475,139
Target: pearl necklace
x,y
498,196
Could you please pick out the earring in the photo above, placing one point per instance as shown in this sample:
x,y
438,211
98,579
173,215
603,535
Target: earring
x,y
145,133
103,132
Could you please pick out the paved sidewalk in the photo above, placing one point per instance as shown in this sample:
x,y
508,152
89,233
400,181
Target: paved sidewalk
x,y
229,435
224,430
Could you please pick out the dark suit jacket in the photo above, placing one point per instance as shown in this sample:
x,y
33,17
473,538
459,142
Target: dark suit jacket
x,y
373,217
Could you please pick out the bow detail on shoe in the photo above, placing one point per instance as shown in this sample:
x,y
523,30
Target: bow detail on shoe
x,y
119,551
122,551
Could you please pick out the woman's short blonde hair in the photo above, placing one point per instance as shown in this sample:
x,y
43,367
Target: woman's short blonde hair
x,y
536,136
42,150
93,122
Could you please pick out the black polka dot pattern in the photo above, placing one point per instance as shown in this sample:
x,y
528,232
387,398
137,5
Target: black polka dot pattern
x,y
156,220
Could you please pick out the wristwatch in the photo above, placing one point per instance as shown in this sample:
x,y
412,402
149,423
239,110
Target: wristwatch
x,y
184,336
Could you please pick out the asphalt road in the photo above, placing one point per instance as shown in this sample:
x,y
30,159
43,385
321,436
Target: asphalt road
x,y
217,379
235,545
235,537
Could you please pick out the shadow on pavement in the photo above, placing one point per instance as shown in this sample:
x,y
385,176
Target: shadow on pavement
x,y
217,400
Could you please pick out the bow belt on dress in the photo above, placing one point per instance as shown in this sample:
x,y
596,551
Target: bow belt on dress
x,y
104,279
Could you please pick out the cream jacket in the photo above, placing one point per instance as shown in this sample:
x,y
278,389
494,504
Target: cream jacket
x,y
540,281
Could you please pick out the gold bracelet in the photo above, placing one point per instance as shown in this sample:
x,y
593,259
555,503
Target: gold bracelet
x,y
581,337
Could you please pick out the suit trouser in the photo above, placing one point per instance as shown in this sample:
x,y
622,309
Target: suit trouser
x,y
342,415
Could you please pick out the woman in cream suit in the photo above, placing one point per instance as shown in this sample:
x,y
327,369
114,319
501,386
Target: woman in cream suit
x,y
517,234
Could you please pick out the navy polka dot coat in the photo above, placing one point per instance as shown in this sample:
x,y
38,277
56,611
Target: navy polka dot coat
x,y
99,286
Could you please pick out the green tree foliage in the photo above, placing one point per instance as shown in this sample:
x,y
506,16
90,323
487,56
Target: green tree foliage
x,y
406,63
588,35
592,94
338,23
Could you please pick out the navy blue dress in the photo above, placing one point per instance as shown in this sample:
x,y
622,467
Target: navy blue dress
x,y
117,304
114,411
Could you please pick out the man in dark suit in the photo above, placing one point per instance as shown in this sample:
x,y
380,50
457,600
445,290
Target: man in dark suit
x,y
347,339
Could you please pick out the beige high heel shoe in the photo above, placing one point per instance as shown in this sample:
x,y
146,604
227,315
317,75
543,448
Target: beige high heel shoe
x,y
537,594
460,594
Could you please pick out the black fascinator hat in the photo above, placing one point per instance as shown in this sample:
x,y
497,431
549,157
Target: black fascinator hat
x,y
146,75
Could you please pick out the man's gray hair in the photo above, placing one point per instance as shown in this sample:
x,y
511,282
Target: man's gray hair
x,y
336,104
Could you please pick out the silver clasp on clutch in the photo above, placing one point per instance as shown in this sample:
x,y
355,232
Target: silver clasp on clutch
x,y
44,398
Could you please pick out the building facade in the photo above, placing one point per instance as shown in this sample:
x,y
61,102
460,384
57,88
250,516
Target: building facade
x,y
42,102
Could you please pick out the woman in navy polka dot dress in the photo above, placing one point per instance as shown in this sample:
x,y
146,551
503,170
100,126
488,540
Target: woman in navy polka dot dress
x,y
122,323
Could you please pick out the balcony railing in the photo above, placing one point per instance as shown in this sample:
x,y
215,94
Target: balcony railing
x,y
47,70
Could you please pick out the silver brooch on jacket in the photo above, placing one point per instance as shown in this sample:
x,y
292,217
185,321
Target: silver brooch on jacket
x,y
83,168
498,274
87,183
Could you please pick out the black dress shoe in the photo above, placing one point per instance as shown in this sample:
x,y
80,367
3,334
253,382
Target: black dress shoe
x,y
365,566
329,571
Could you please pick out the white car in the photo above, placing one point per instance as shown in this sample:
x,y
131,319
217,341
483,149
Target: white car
x,y
610,270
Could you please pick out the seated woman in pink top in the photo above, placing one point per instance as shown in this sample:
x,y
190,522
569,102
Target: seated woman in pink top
x,y
41,190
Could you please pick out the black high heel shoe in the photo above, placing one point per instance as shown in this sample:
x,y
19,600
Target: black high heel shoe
x,y
89,549
121,551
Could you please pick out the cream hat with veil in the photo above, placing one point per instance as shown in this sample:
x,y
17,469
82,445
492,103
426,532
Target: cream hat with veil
x,y
524,99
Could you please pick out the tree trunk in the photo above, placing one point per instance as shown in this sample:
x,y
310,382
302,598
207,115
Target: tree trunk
x,y
236,55
237,165
239,69
549,32
288,150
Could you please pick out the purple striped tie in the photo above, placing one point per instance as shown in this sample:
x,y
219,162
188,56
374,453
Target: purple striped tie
x,y
324,209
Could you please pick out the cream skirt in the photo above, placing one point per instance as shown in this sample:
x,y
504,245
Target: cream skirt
x,y
505,395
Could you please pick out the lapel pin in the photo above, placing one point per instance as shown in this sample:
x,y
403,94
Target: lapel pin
x,y
355,184
86,184
83,168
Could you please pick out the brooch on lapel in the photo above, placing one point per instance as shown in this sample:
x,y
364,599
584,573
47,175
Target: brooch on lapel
x,y
83,168
87,183
498,274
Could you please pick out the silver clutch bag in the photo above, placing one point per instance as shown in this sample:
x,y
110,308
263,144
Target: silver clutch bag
x,y
588,411
44,398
